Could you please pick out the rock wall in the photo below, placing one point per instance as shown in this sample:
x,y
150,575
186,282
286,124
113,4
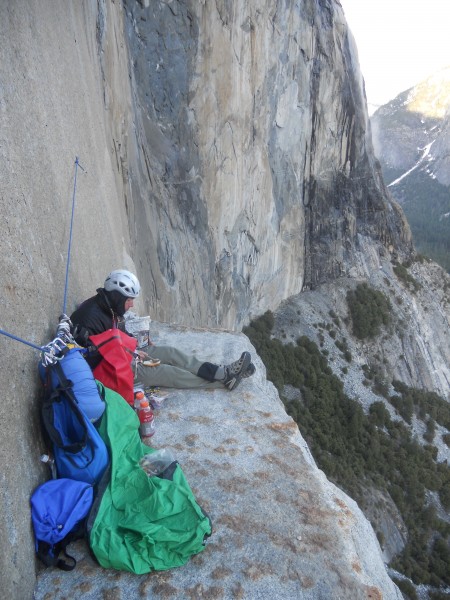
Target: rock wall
x,y
225,156
252,155
54,106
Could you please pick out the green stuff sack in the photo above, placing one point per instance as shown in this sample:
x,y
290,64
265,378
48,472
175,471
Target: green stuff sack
x,y
141,523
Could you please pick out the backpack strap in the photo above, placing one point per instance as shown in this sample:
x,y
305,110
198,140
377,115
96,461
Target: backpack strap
x,y
50,555
65,388
113,337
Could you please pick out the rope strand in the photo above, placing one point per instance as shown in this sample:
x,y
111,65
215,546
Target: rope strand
x,y
66,286
18,339
51,352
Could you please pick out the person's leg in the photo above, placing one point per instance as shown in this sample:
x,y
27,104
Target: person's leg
x,y
173,377
193,373
168,355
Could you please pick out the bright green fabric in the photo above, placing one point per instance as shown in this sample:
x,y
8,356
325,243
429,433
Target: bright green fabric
x,y
143,523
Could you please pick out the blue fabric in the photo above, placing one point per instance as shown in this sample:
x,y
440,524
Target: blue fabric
x,y
57,506
88,463
85,389
72,402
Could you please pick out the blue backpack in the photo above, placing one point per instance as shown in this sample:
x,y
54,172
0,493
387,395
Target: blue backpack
x,y
59,509
79,373
79,451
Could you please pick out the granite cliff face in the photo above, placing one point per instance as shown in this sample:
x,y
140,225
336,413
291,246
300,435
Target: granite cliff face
x,y
252,154
226,159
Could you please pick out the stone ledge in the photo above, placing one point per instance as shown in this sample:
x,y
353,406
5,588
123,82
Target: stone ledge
x,y
280,528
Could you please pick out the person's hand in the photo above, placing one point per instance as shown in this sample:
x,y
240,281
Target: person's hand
x,y
142,355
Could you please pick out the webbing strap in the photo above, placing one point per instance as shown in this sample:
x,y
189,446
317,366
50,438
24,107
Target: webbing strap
x,y
64,388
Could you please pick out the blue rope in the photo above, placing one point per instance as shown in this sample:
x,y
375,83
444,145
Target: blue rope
x,y
35,346
18,339
77,164
15,337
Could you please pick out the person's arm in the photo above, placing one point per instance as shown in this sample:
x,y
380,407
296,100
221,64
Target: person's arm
x,y
81,335
89,319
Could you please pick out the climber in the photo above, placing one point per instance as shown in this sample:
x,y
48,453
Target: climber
x,y
175,369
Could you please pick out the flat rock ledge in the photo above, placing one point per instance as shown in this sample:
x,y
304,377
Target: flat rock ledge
x,y
280,528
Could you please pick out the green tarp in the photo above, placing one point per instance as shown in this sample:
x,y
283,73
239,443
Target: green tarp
x,y
143,523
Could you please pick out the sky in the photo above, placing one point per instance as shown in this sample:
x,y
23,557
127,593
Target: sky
x,y
400,43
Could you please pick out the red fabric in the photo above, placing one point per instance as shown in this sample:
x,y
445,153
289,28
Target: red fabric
x,y
114,370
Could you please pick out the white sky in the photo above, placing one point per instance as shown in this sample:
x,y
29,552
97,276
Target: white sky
x,y
400,43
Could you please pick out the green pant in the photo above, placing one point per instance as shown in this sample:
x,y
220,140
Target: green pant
x,y
177,370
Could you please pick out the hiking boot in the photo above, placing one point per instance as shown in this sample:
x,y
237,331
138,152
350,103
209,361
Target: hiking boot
x,y
234,372
251,369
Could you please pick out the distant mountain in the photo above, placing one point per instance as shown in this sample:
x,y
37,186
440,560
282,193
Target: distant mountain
x,y
411,137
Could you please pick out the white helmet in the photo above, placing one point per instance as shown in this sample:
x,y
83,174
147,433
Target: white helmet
x,y
124,282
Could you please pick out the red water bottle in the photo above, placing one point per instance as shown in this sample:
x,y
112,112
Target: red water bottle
x,y
138,396
147,420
